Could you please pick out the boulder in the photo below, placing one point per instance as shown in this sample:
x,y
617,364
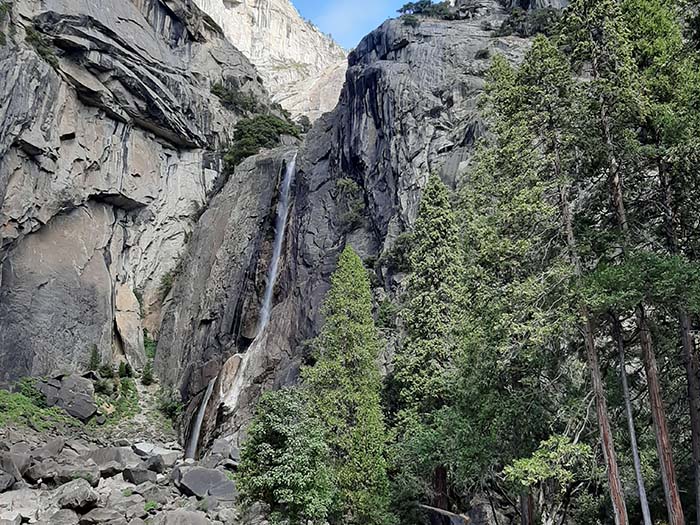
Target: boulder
x,y
62,517
86,470
76,495
10,518
14,464
6,481
52,449
170,456
224,491
181,517
155,463
113,459
101,516
198,481
26,502
138,475
72,393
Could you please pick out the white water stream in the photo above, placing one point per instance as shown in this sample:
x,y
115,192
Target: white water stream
x,y
234,391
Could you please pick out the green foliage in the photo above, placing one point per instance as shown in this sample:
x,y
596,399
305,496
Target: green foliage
x,y
527,23
170,404
149,345
125,370
233,98
427,8
396,259
95,359
386,314
27,387
353,204
482,54
147,374
150,505
304,124
411,20
285,460
252,134
127,403
17,409
166,283
344,392
42,45
106,370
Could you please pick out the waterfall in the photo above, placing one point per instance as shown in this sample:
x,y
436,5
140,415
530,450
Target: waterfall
x,y
234,390
196,429
280,228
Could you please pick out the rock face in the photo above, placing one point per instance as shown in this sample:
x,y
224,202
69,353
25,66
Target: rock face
x,y
408,108
303,68
106,152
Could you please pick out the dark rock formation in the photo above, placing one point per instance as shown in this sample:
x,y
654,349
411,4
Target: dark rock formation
x,y
72,393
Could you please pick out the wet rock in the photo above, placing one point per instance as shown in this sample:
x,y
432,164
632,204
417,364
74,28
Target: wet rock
x,y
138,475
76,495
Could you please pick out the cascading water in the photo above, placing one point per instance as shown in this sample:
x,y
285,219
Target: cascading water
x,y
234,390
280,228
194,437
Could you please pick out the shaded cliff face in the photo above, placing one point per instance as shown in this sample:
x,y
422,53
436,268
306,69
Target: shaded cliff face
x,y
302,67
408,108
106,153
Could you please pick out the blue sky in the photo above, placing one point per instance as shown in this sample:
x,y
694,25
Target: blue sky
x,y
348,20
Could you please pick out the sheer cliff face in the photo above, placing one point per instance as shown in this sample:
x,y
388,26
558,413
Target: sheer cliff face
x,y
106,154
408,108
303,69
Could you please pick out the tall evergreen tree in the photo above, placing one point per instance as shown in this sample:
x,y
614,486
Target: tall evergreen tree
x,y
423,365
344,392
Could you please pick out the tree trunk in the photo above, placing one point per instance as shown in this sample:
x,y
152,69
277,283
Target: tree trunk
x,y
617,336
663,445
615,484
658,416
690,358
527,513
440,499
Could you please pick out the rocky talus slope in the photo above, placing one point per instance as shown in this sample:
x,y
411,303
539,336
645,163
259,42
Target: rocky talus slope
x,y
108,143
302,67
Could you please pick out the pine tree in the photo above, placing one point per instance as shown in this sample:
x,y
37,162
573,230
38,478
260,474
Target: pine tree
x,y
344,391
423,365
614,95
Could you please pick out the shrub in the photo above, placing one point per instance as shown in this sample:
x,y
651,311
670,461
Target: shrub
x,y
530,23
304,124
107,370
233,98
285,460
170,404
166,284
482,54
252,134
386,314
149,345
104,387
95,359
20,410
150,505
396,259
42,46
127,404
27,387
147,374
410,20
125,370
428,8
